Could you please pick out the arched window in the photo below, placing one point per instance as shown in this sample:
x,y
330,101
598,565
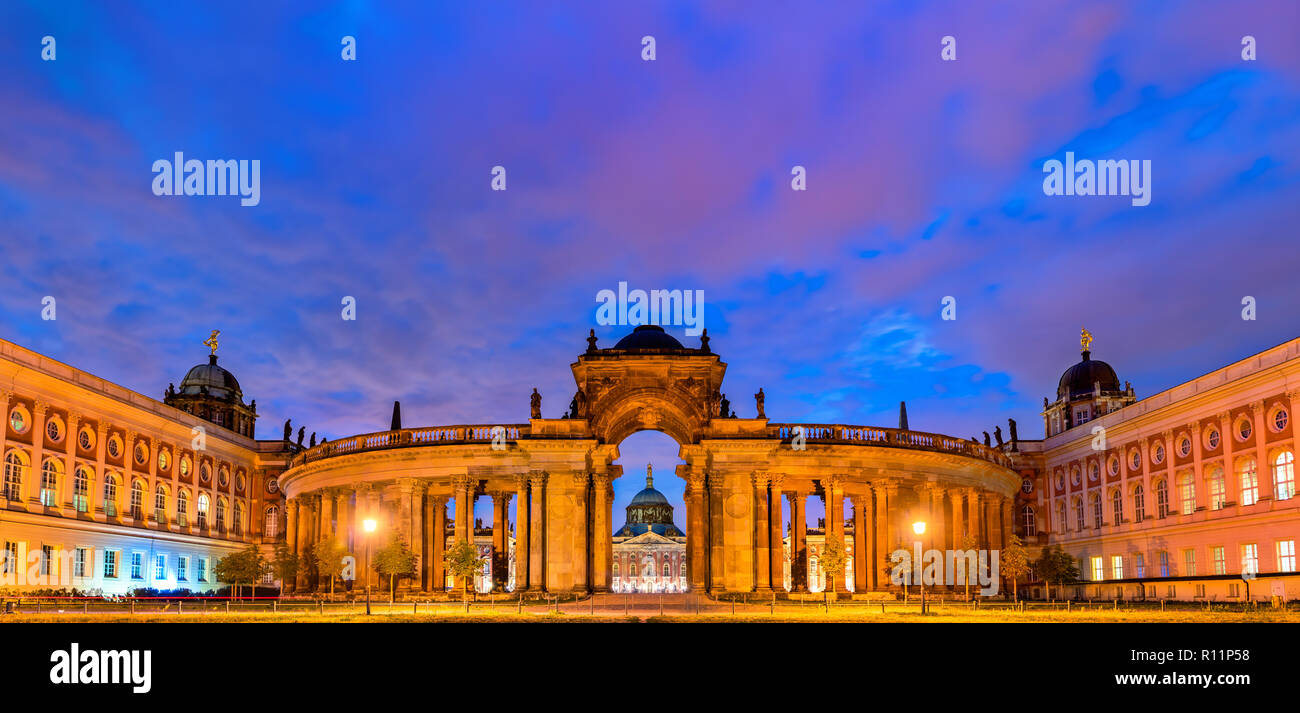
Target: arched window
x,y
1217,491
616,569
1116,507
1162,498
681,568
81,490
271,523
201,514
183,508
631,568
110,495
137,500
1284,476
15,466
1078,513
668,570
221,515
1027,519
1060,516
1187,493
50,473
1095,501
237,520
1139,504
1249,482
160,503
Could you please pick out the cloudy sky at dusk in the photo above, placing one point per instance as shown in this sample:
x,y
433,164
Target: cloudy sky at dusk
x,y
924,181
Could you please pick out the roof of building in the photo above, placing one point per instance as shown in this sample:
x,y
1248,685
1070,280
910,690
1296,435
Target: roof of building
x,y
218,382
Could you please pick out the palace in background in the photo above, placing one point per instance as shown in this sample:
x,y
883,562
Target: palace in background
x,y
1187,494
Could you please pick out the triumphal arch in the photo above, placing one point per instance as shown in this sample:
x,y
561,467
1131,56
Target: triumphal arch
x,y
559,473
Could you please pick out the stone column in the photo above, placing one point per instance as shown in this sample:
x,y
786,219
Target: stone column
x,y
715,493
1198,482
1231,483
327,513
762,533
886,492
938,517
416,533
834,494
537,532
101,475
347,517
291,535
462,491
776,534
1005,521
438,543
696,532
863,532
500,542
581,530
978,529
523,542
958,521
602,550
1263,470
302,531
32,484
798,542
70,460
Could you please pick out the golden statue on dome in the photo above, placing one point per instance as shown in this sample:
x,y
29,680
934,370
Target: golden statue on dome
x,y
211,342
1085,340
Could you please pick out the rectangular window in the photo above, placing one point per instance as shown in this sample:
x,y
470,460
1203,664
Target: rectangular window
x,y
1284,476
1219,559
1187,492
203,569
9,558
47,559
1200,591
1189,563
137,565
1233,590
160,566
79,562
1250,559
1163,558
1217,495
1116,567
1140,562
182,568
1249,484
1286,556
110,564
1098,569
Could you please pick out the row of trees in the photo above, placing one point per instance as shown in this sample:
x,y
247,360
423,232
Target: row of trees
x,y
1054,566
331,560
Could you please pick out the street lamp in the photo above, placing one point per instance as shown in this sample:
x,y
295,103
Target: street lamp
x,y
919,528
369,526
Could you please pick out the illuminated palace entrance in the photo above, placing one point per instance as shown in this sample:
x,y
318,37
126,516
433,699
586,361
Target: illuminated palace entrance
x,y
558,473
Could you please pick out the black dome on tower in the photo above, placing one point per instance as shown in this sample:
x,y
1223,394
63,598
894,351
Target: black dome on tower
x,y
648,336
1082,378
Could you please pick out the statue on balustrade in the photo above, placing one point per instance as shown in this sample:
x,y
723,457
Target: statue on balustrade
x,y
288,429
1015,436
986,439
758,401
997,433
536,403
724,408
312,444
302,432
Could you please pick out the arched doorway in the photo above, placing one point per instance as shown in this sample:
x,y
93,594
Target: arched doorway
x,y
649,539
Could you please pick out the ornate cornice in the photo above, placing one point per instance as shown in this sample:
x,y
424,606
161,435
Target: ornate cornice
x,y
761,478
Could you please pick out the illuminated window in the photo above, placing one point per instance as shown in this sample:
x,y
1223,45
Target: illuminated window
x,y
1162,558
9,558
1219,558
1218,496
1284,476
1139,563
137,565
668,570
160,566
1286,555
115,446
237,519
1249,482
1162,499
1139,503
1116,566
1116,506
141,453
47,560
221,515
271,525
1189,563
81,490
182,508
202,573
1028,520
110,564
79,562
164,460
185,466
182,568
1098,569
110,496
137,500
1096,510
202,515
15,466
1187,492
1250,559
50,482
160,503
18,419
86,439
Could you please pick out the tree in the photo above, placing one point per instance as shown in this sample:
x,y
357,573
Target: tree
x,y
329,554
832,559
246,565
890,565
284,566
463,561
395,559
1054,566
1014,563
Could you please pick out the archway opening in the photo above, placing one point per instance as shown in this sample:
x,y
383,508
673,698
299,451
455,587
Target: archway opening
x,y
649,517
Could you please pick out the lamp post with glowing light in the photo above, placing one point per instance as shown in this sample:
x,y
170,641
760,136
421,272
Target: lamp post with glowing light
x,y
919,528
369,526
